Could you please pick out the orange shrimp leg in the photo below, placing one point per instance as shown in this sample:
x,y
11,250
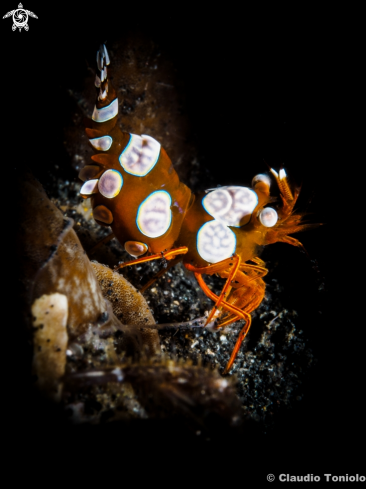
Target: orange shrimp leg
x,y
261,271
227,287
234,274
234,260
226,305
248,290
211,269
237,311
168,255
295,242
258,261
238,343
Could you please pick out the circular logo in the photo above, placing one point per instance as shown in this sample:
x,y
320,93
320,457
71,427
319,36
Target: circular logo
x,y
270,477
20,17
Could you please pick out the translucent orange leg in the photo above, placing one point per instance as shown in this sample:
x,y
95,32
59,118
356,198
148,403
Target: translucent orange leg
x,y
294,242
243,280
211,269
168,255
227,287
255,291
238,343
261,272
233,275
236,312
258,261
234,260
248,306
231,308
215,298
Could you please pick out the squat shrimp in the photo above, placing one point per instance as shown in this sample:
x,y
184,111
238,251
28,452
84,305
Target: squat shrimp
x,y
135,190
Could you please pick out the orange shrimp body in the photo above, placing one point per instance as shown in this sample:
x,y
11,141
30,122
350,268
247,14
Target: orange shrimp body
x,y
135,190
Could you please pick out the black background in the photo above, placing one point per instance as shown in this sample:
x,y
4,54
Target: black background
x,y
257,78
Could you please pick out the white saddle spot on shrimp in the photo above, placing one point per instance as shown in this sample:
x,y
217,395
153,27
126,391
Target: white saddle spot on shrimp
x,y
215,242
140,155
231,205
89,187
154,215
218,202
110,183
105,113
102,144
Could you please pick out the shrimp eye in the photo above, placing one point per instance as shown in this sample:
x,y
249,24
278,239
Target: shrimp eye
x,y
262,183
268,217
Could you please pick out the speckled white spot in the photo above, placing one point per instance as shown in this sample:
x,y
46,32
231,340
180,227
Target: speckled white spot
x,y
215,241
154,215
106,113
140,155
218,202
110,183
102,144
231,205
89,187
